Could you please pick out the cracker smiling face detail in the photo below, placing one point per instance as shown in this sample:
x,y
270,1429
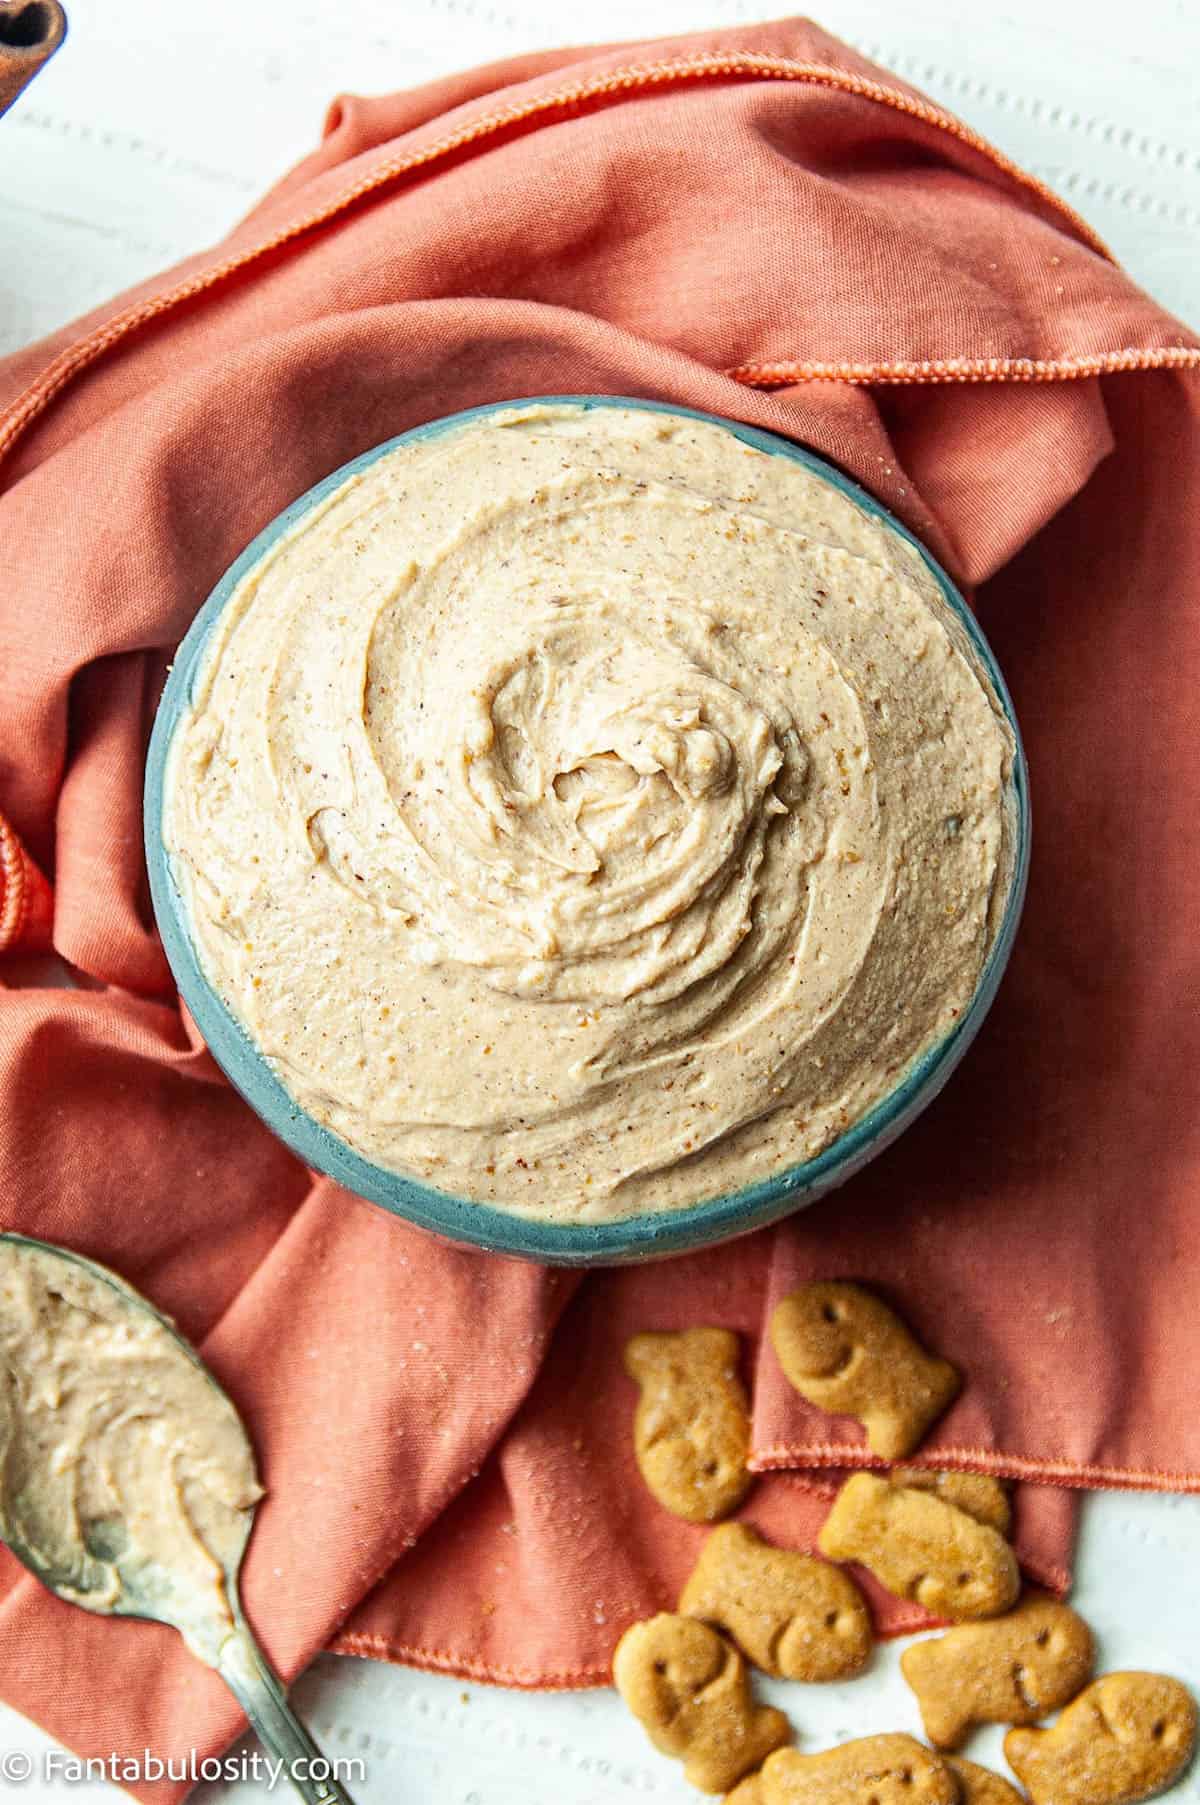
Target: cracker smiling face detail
x,y
846,1352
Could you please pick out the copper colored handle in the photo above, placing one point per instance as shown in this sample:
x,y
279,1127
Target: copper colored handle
x,y
30,32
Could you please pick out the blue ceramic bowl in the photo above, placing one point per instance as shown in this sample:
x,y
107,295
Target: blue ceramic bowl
x,y
477,1224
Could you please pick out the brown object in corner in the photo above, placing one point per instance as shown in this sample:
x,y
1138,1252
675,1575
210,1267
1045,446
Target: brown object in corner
x,y
30,32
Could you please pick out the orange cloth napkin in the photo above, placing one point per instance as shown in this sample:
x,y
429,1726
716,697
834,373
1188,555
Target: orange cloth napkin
x,y
756,222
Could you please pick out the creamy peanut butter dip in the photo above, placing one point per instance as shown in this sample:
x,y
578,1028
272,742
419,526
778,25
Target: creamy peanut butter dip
x,y
122,1465
587,812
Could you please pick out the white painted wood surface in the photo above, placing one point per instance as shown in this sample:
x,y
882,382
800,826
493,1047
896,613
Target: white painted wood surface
x,y
147,137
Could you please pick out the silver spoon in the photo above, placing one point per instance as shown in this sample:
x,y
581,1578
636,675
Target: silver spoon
x,y
111,1576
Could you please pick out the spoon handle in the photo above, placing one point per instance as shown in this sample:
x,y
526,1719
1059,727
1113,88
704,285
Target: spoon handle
x,y
258,1690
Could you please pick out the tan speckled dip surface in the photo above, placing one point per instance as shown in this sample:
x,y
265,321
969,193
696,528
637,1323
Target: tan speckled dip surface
x,y
590,813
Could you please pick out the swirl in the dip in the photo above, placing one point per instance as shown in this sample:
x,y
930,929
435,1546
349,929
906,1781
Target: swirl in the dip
x,y
587,812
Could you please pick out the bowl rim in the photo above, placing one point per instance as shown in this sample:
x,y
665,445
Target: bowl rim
x,y
482,1225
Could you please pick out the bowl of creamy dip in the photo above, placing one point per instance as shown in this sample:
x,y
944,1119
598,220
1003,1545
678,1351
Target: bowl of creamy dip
x,y
586,827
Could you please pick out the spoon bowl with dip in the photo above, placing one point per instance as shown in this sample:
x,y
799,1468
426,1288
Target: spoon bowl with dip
x,y
127,1480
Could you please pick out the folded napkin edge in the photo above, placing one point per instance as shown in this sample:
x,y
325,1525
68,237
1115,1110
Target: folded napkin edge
x,y
612,84
1052,1470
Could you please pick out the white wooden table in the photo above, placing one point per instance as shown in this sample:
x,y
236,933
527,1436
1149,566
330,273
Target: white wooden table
x,y
156,126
